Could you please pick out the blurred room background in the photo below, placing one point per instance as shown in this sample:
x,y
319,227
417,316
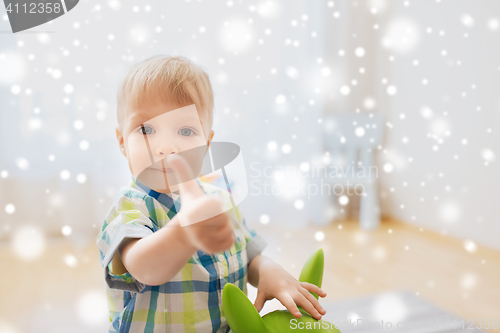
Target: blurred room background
x,y
422,75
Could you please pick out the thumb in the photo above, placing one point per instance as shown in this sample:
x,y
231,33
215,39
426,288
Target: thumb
x,y
186,180
259,301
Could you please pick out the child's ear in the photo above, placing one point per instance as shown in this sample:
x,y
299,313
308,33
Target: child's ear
x,y
119,136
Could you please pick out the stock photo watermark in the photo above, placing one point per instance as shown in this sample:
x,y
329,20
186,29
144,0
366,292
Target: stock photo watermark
x,y
310,181
26,14
448,324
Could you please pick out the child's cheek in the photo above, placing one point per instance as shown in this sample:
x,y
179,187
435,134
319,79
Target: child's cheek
x,y
138,155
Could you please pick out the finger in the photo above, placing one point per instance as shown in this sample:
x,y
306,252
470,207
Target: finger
x,y
313,288
229,243
205,208
306,305
289,303
224,243
312,300
226,238
223,239
186,180
259,301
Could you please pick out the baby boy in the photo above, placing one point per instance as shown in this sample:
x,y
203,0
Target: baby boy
x,y
167,245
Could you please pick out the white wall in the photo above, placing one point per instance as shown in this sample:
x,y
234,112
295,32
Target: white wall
x,y
246,110
442,179
105,39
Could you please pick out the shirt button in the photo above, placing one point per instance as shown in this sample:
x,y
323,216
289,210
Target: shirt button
x,y
221,257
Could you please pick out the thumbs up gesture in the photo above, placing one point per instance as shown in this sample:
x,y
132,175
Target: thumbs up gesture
x,y
202,216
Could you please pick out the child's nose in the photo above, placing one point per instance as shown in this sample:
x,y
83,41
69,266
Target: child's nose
x,y
165,149
164,152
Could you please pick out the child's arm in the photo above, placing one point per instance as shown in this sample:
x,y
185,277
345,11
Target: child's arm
x,y
253,269
275,282
157,258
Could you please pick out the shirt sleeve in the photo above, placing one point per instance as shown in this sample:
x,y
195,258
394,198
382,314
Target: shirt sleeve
x,y
127,218
255,243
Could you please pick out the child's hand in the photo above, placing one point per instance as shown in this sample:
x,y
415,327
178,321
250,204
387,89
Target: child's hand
x,y
275,282
208,227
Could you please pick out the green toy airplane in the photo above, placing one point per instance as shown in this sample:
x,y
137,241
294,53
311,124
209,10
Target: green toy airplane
x,y
242,316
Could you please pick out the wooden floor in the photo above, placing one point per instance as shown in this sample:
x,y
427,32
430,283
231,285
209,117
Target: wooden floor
x,y
396,257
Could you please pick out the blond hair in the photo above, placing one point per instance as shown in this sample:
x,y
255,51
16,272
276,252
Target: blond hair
x,y
175,80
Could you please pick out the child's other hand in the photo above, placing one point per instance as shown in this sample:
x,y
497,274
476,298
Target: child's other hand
x,y
276,282
207,226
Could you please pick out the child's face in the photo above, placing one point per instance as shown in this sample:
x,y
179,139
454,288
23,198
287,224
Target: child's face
x,y
153,132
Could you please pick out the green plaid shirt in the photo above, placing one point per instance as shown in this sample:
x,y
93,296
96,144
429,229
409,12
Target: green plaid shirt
x,y
192,300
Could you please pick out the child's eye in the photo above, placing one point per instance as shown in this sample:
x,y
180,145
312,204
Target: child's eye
x,y
186,132
146,130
